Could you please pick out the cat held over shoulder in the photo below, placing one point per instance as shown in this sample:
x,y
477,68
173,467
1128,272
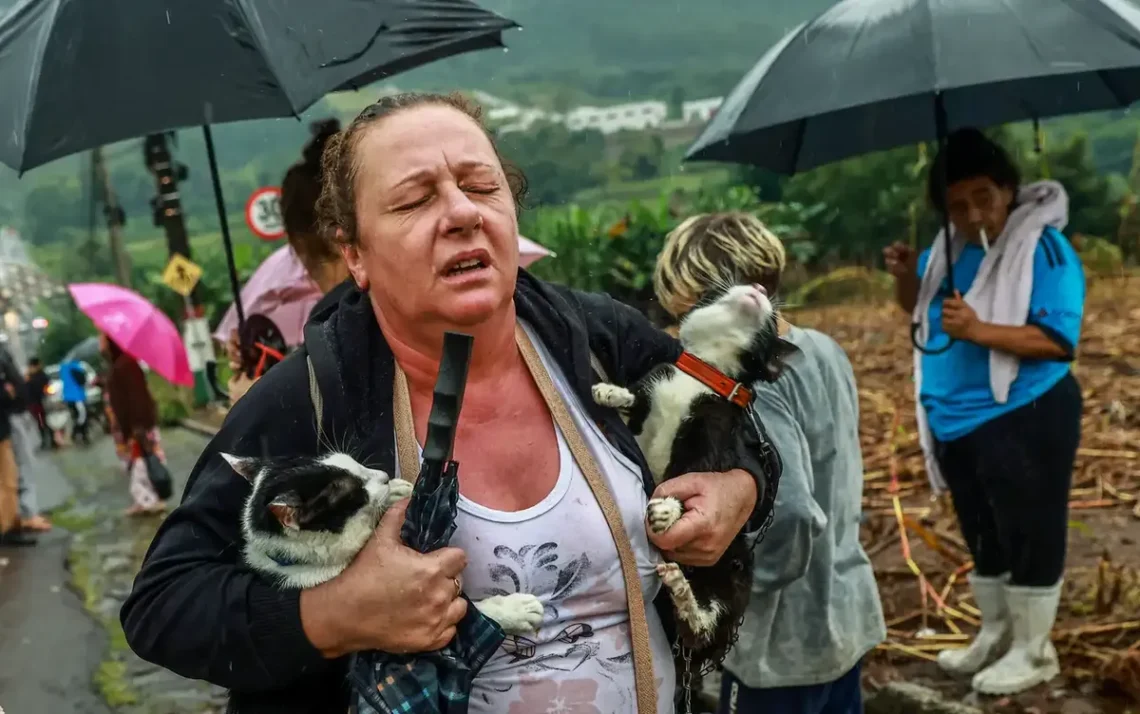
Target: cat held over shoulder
x,y
306,518
694,416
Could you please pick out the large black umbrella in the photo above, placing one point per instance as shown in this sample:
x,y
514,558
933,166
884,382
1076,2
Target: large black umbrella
x,y
76,75
869,75
433,682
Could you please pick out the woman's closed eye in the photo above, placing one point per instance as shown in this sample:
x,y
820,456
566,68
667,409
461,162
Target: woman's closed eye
x,y
411,205
483,189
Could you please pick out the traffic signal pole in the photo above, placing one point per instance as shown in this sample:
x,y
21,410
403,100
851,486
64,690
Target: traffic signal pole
x,y
114,214
168,214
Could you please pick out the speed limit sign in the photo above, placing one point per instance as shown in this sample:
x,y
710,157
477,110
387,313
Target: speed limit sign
x,y
263,213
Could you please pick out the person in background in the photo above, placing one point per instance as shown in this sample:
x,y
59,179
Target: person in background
x,y
74,379
36,384
815,609
999,411
11,402
136,419
300,190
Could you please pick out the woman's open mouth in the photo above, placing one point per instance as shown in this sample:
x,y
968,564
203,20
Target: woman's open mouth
x,y
466,266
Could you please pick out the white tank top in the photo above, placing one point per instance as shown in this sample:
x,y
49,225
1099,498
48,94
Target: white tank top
x,y
561,550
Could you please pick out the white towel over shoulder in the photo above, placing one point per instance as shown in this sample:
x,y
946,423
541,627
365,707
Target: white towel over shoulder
x,y
1000,293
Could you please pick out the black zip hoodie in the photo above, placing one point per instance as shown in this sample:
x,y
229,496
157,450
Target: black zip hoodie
x,y
197,610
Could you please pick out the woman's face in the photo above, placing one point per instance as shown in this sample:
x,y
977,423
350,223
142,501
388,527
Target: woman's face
x,y
438,233
978,203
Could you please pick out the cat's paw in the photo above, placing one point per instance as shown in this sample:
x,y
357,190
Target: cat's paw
x,y
611,395
517,613
662,513
398,489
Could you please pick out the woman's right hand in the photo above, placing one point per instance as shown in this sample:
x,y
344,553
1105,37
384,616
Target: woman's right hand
x,y
901,260
390,598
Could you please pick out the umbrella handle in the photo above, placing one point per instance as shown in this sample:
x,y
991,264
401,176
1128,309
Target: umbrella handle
x,y
923,348
448,398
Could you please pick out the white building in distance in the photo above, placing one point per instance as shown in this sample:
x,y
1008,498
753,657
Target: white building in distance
x,y
636,116
700,111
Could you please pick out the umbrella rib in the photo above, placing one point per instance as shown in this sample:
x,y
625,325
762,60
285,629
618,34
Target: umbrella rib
x,y
34,85
259,40
1131,40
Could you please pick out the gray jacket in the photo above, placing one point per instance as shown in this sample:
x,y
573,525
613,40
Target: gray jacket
x,y
815,607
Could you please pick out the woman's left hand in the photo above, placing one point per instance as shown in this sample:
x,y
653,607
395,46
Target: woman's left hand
x,y
716,507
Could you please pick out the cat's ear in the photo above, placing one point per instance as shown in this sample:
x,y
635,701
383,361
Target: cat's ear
x,y
285,513
243,466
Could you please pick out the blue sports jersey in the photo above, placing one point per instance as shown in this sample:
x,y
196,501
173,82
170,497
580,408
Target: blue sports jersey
x,y
956,384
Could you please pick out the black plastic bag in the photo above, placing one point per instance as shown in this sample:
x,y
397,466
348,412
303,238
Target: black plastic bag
x,y
159,476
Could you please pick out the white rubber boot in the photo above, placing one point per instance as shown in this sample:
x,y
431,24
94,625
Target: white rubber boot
x,y
1031,659
993,637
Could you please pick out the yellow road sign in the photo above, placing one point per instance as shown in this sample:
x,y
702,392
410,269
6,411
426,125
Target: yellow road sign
x,y
181,275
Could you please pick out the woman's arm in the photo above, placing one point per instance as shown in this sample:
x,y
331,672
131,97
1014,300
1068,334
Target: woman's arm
x,y
195,609
1026,341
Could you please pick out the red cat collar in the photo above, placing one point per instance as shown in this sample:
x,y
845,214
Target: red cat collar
x,y
715,380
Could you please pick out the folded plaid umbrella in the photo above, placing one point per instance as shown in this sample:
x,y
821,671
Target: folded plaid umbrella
x,y
433,682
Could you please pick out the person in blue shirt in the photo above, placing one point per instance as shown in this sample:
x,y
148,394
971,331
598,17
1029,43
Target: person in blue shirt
x,y
74,379
1007,462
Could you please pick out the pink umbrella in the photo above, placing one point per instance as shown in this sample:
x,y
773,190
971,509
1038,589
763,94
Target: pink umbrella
x,y
529,251
141,329
281,290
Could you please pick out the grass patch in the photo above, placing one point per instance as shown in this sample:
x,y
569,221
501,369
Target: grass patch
x,y
69,518
111,682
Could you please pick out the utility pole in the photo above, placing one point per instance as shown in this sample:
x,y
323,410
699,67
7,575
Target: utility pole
x,y
115,217
168,215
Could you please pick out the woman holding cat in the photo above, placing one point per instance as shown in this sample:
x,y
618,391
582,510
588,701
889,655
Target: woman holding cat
x,y
999,409
425,214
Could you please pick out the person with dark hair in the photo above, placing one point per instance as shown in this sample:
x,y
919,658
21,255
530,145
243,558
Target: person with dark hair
x,y
37,383
999,410
12,532
300,190
136,419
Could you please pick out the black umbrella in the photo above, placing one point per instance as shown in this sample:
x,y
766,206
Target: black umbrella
x,y
77,75
869,75
434,682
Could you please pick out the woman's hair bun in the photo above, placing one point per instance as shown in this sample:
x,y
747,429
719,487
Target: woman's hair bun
x,y
322,131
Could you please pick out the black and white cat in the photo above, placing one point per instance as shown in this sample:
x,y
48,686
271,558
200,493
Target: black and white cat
x,y
306,518
684,426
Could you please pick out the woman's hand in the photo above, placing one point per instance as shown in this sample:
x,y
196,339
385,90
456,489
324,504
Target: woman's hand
x,y
391,598
716,507
901,260
959,319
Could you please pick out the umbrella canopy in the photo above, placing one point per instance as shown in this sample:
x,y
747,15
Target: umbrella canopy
x,y
77,75
434,682
529,252
281,290
869,75
137,326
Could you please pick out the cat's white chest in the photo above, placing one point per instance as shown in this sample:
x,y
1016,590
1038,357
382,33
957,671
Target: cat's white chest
x,y
672,400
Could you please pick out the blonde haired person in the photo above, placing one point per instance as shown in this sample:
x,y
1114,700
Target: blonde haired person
x,y
815,608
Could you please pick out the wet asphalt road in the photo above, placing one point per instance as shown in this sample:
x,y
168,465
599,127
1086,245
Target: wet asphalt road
x,y
49,646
